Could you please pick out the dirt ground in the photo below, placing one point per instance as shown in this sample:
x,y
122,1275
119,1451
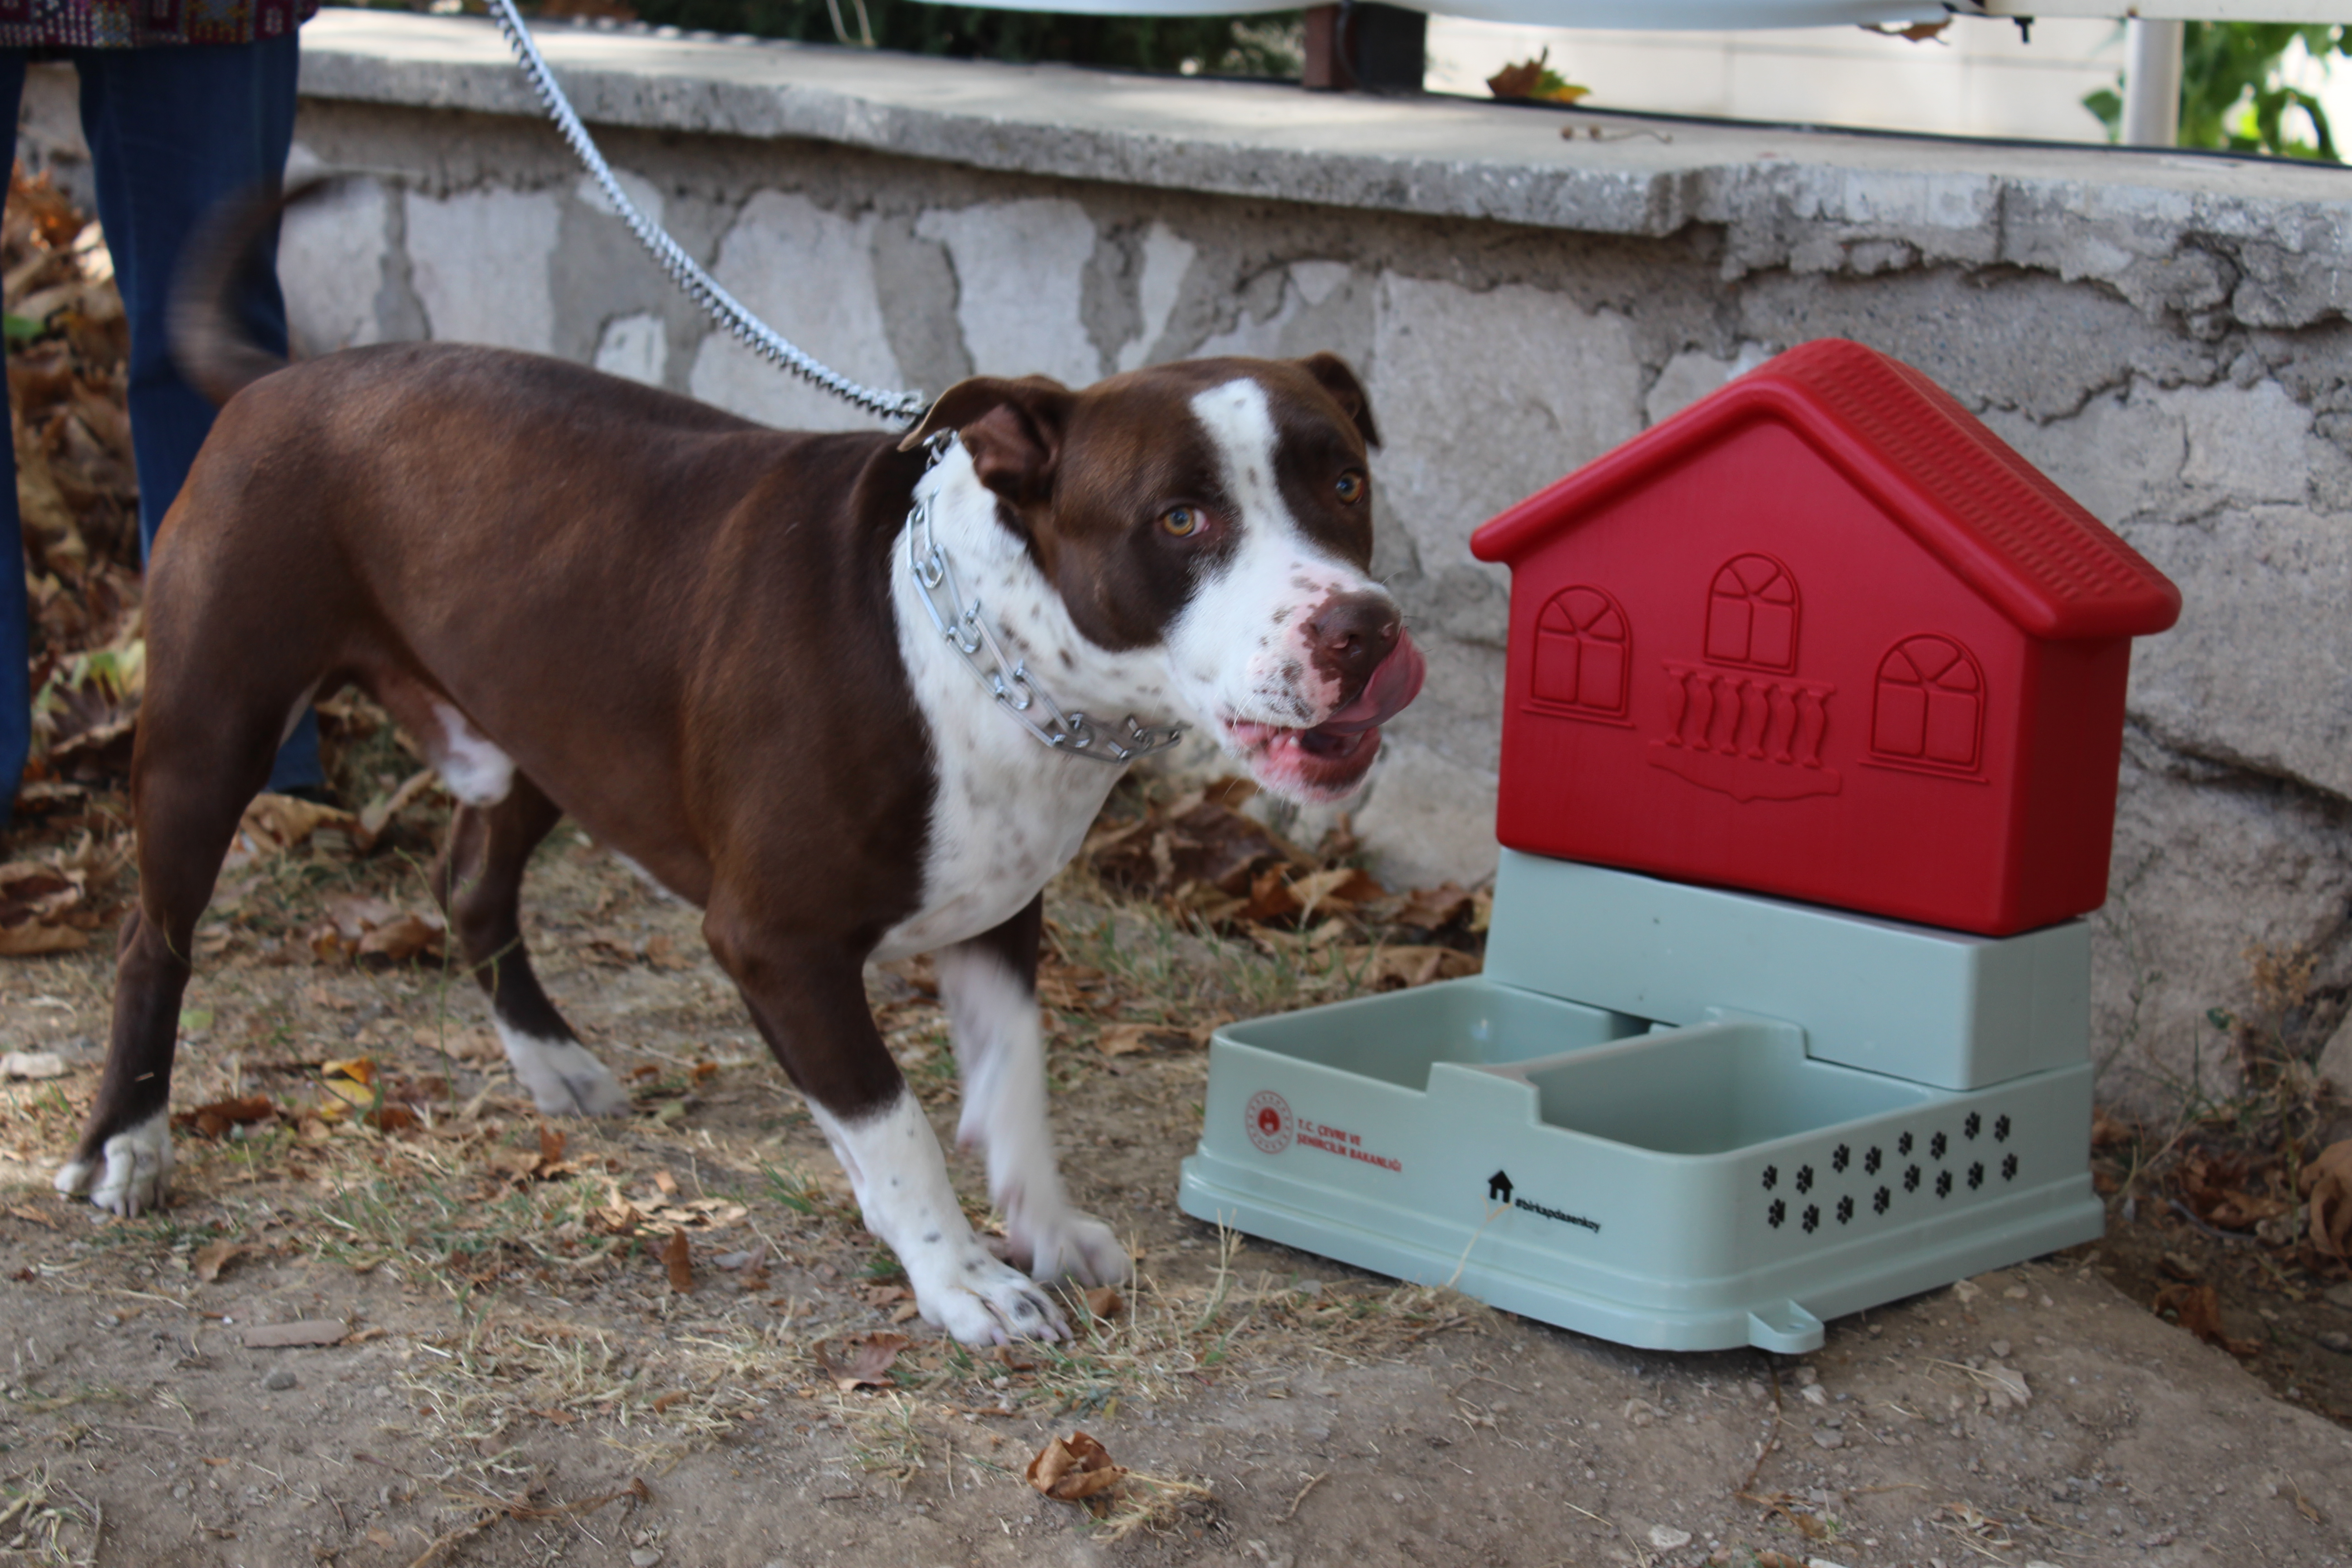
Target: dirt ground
x,y
519,1378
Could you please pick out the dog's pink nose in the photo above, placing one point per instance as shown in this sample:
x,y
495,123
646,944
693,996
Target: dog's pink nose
x,y
1350,634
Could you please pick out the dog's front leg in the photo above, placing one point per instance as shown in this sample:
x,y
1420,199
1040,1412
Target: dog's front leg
x,y
990,987
808,999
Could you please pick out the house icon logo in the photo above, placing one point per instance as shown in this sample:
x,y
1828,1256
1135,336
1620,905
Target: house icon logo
x,y
1498,1187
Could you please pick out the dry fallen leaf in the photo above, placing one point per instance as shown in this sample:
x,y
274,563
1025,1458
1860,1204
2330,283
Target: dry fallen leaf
x,y
376,930
1432,908
215,1119
403,938
2327,1182
678,1256
1105,1302
32,940
208,1260
1074,1468
1535,78
861,1363
1126,1039
274,824
1403,967
2199,1308
350,1087
1916,33
353,1090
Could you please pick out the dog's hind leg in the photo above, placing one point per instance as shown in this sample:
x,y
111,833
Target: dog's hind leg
x,y
990,987
478,882
193,773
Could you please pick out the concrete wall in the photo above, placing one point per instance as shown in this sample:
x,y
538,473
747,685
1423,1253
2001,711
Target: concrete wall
x,y
2165,337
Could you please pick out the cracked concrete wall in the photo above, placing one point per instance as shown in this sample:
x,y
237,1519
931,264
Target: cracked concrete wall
x,y
2182,365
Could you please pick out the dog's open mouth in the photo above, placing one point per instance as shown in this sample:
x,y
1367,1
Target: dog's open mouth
x,y
1328,759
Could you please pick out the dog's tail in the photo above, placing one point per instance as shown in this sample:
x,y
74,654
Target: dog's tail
x,y
212,347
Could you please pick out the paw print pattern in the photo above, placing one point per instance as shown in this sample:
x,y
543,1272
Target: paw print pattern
x,y
1903,1144
1936,1145
1778,1215
2009,1169
1871,1160
1804,1178
1879,1200
2001,1129
1772,1177
1911,1179
1845,1211
1943,1183
1841,1158
1976,1175
1812,1218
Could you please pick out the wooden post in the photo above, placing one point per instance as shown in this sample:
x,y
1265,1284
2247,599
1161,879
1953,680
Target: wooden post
x,y
1362,45
1327,65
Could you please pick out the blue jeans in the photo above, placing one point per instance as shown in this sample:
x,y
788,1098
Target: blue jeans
x,y
173,131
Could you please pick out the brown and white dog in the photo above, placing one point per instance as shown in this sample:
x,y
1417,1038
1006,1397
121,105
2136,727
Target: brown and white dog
x,y
703,640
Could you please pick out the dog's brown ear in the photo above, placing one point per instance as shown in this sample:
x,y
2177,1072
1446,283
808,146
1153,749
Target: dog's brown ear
x,y
1331,373
1013,428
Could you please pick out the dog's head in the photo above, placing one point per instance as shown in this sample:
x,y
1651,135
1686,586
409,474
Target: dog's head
x,y
1220,510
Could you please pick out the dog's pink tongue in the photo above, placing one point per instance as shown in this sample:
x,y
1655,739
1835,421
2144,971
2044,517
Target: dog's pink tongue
x,y
1396,682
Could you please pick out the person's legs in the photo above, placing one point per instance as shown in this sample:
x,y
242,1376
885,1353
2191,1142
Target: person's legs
x,y
15,615
174,131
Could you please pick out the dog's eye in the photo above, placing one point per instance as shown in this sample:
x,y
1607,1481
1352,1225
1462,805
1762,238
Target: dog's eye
x,y
1183,521
1350,486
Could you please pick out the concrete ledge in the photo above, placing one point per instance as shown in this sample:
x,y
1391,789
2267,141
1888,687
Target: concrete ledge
x,y
1814,201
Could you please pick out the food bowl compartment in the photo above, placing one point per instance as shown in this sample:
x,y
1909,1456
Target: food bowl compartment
x,y
1710,1089
1396,1038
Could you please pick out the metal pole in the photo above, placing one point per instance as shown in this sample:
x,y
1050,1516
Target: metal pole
x,y
2152,83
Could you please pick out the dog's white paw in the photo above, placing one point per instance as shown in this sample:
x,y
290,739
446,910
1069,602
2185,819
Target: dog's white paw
x,y
1070,1245
982,1301
564,1076
133,1173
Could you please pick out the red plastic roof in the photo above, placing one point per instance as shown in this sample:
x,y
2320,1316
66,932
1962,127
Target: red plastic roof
x,y
1993,518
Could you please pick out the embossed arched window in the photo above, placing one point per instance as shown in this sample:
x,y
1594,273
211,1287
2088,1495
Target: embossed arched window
x,y
1584,653
1752,611
1929,708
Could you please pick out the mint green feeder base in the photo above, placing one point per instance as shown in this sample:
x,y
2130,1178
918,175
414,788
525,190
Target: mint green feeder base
x,y
1689,1184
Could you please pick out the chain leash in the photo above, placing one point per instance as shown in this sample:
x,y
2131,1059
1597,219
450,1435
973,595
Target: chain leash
x,y
904,407
1005,679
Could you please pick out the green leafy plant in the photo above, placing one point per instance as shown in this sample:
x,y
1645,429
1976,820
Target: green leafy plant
x,y
2234,95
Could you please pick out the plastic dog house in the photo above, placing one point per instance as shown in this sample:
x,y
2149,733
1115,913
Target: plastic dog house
x,y
1823,635
1819,636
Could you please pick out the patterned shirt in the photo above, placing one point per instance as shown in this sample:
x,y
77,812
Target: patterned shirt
x,y
135,23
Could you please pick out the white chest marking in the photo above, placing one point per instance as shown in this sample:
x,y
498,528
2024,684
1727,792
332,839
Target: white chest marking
x,y
1010,812
476,771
